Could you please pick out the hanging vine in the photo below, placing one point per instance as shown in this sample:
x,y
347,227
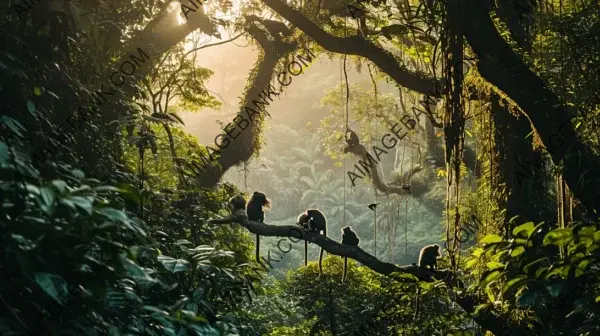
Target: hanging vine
x,y
454,121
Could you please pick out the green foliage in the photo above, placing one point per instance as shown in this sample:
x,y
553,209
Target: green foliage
x,y
549,274
367,299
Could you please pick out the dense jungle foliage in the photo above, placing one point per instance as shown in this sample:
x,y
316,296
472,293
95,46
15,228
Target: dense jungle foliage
x,y
127,126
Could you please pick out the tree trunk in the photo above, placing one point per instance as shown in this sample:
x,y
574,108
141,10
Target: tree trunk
x,y
260,79
502,67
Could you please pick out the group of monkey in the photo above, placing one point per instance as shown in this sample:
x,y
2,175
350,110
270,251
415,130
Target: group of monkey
x,y
313,220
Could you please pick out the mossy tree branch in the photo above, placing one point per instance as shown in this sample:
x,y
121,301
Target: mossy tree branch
x,y
497,324
243,147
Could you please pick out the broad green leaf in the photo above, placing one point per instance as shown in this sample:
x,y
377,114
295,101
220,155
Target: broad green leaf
x,y
583,265
587,231
526,267
494,264
562,272
47,196
559,237
67,203
80,189
4,153
113,214
78,174
31,107
82,203
405,276
32,189
137,272
14,125
174,265
53,285
108,188
490,294
517,251
526,299
477,252
471,263
554,289
462,333
491,239
60,185
540,271
490,276
514,284
524,230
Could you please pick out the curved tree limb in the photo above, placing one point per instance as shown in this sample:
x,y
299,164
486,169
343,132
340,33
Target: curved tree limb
x,y
243,147
388,188
357,45
333,247
490,321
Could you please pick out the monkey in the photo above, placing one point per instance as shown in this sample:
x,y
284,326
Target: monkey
x,y
237,204
350,238
255,210
351,139
313,220
427,257
302,222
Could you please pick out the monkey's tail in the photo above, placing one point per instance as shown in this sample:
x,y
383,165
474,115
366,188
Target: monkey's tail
x,y
345,269
321,262
305,253
321,254
258,248
417,302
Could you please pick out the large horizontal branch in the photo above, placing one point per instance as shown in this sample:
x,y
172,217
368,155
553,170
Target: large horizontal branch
x,y
357,45
465,301
335,248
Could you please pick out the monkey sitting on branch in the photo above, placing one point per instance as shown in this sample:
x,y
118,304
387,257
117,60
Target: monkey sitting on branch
x,y
255,210
427,257
313,220
349,238
237,205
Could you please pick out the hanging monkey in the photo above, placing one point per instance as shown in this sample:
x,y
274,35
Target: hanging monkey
x,y
349,238
427,257
351,140
255,210
313,220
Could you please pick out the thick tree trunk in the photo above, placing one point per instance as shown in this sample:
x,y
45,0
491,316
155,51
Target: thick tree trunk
x,y
503,68
522,169
260,79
